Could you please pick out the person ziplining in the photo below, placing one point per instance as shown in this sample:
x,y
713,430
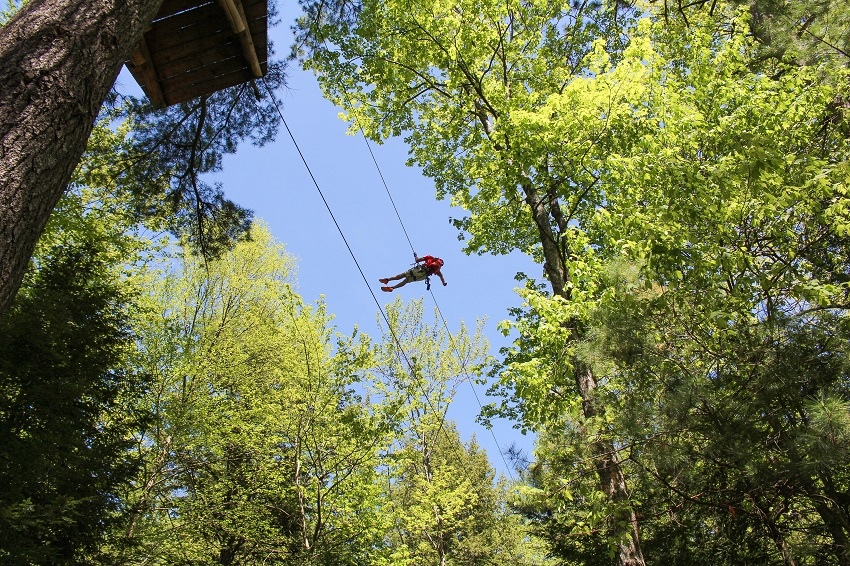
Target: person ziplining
x,y
424,268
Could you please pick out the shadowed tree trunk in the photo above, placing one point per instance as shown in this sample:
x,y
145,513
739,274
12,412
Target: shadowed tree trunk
x,y
608,467
58,60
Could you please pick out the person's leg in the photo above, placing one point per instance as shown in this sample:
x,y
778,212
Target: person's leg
x,y
405,279
395,278
390,289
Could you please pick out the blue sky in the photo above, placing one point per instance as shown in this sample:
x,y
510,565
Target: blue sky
x,y
274,183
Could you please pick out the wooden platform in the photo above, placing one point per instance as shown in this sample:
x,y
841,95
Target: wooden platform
x,y
197,47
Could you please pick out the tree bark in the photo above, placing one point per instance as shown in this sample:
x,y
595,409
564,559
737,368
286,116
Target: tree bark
x,y
58,60
837,526
611,477
608,468
553,260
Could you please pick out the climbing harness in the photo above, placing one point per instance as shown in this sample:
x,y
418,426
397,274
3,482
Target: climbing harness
x,y
415,263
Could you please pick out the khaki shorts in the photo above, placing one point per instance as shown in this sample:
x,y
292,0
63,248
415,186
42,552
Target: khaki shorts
x,y
418,273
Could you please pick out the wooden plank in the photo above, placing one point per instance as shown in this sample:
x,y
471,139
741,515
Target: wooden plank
x,y
192,46
248,44
256,10
148,72
138,57
204,58
171,7
188,18
188,92
188,27
193,50
204,74
237,22
179,59
259,32
185,26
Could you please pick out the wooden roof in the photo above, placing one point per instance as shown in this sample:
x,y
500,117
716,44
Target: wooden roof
x,y
197,47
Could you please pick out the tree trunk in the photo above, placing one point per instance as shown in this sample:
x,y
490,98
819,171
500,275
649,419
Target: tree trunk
x,y
608,468
553,261
611,476
58,60
837,527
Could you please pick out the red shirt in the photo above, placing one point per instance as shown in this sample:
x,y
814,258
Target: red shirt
x,y
432,264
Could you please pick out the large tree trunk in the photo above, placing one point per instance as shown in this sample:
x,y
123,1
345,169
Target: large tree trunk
x,y
611,476
58,60
608,468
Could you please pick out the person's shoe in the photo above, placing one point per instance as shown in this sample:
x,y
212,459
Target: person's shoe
x,y
384,281
387,289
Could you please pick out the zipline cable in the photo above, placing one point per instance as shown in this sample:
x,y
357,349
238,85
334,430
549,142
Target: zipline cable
x,y
471,386
387,188
339,229
439,311
410,366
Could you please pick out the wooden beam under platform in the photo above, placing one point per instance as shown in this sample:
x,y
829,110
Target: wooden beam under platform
x,y
142,59
196,47
246,41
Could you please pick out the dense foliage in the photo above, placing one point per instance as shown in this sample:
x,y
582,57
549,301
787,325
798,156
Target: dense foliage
x,y
680,173
68,394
